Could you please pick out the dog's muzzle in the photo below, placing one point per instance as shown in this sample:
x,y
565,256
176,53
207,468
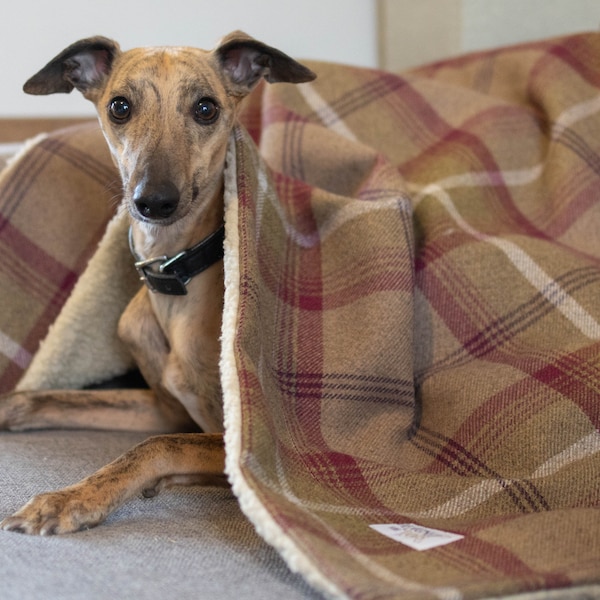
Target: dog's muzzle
x,y
171,276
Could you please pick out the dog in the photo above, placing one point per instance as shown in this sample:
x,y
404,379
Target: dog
x,y
167,115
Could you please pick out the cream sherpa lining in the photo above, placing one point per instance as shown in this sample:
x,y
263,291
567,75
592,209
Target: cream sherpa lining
x,y
250,504
81,346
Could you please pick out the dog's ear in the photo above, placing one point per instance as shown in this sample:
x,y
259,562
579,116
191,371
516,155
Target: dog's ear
x,y
84,65
245,60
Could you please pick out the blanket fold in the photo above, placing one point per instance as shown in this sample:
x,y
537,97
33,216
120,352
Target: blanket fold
x,y
411,324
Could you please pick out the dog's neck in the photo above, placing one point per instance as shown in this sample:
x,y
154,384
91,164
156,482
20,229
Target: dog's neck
x,y
151,240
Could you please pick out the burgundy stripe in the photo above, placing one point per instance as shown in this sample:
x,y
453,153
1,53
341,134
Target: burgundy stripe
x,y
572,140
346,386
449,461
291,147
503,560
39,330
23,275
566,52
461,458
103,174
9,377
44,264
360,97
26,174
501,331
576,377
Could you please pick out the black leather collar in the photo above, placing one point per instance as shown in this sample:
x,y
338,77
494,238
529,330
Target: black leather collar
x,y
166,275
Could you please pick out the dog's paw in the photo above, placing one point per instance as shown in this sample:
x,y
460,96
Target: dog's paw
x,y
53,513
15,409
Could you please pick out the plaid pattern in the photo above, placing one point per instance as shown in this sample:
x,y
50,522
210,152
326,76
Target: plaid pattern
x,y
55,202
412,316
450,380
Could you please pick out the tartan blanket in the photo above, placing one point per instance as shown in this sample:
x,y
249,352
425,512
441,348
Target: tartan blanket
x,y
412,316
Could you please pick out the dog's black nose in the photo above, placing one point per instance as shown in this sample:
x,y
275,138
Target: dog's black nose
x,y
157,201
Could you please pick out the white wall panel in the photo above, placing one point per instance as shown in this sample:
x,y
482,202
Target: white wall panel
x,y
33,31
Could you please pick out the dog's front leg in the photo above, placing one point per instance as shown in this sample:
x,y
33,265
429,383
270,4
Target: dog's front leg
x,y
141,332
128,410
146,468
183,371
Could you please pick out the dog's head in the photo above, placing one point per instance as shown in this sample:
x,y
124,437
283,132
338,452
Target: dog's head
x,y
167,113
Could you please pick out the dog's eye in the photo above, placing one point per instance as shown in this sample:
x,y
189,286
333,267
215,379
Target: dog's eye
x,y
119,109
206,111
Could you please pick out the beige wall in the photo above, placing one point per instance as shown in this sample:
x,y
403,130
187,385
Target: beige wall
x,y
414,32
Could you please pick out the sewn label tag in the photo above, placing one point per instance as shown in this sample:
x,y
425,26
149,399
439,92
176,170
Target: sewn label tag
x,y
417,536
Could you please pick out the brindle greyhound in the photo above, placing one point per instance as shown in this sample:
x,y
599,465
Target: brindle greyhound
x,y
167,115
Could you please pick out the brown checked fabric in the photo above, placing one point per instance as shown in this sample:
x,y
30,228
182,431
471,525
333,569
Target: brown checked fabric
x,y
411,324
456,388
55,203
